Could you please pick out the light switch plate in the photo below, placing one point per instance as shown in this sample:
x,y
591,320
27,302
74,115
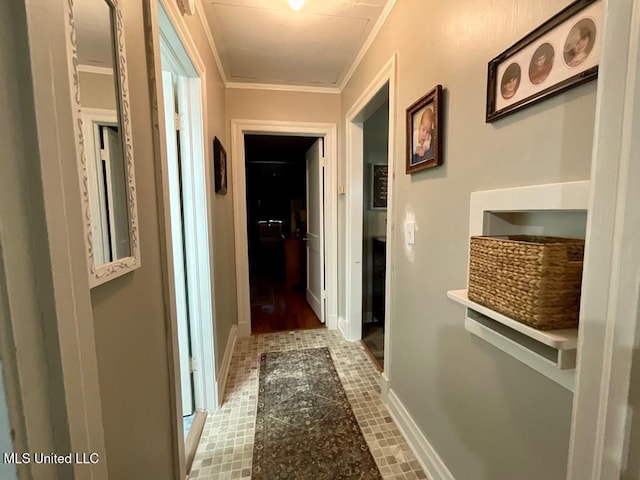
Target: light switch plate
x,y
410,233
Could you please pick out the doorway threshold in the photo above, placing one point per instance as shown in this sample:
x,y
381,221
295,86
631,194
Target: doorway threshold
x,y
373,359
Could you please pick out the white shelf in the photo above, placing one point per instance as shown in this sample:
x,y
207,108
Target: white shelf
x,y
551,353
556,209
564,339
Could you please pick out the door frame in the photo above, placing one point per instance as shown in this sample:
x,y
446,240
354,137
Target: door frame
x,y
328,131
351,326
610,298
166,25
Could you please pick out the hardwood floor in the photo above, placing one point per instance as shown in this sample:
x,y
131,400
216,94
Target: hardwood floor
x,y
275,308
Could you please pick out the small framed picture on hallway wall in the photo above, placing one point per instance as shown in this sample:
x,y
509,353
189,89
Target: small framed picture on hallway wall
x,y
220,167
560,54
424,135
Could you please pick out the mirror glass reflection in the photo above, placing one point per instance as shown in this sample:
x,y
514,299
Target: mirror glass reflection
x,y
102,132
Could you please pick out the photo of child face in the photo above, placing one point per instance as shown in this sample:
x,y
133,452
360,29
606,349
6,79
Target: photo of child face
x,y
510,81
580,42
423,131
426,125
541,63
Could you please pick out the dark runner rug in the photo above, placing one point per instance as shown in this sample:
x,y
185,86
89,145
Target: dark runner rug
x,y
305,427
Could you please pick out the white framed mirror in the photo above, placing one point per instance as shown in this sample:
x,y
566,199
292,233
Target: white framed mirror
x,y
98,75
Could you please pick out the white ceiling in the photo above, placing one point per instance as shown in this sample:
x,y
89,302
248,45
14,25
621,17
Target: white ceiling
x,y
266,42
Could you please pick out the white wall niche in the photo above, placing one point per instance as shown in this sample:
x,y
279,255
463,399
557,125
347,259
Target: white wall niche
x,y
558,210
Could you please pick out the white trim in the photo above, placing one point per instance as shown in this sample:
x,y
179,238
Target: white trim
x,y
427,457
212,45
95,69
551,196
104,272
294,88
282,87
329,132
203,340
355,203
609,308
343,326
177,22
226,363
383,381
153,22
198,235
92,119
367,44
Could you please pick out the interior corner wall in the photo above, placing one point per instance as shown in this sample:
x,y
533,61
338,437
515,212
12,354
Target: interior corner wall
x,y
131,331
487,415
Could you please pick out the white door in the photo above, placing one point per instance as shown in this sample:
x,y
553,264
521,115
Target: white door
x,y
315,228
177,241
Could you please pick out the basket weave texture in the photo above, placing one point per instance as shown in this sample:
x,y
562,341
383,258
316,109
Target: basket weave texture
x,y
535,280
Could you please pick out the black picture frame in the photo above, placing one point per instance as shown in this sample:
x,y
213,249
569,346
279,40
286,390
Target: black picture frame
x,y
379,186
560,54
428,108
219,167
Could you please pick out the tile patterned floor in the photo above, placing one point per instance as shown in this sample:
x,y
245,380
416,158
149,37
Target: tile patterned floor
x,y
226,447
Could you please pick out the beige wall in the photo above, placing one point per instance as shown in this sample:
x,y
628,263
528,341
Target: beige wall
x,y
129,314
487,415
131,332
97,91
284,106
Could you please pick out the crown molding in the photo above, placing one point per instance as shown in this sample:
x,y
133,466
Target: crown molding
x,y
212,45
293,88
282,88
365,47
94,69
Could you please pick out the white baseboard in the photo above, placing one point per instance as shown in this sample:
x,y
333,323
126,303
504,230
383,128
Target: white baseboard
x,y
332,322
226,362
384,387
426,455
343,327
244,329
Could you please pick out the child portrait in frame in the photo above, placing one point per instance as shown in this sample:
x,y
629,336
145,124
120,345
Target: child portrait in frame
x,y
423,132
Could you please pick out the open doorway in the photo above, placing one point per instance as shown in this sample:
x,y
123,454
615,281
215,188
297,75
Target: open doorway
x,y
371,163
375,183
327,254
284,176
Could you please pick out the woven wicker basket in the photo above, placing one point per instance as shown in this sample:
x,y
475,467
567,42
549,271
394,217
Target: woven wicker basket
x,y
535,280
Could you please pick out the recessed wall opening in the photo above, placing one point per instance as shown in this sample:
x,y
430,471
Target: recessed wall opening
x,y
284,183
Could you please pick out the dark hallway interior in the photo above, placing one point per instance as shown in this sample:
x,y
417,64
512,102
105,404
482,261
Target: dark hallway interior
x,y
276,216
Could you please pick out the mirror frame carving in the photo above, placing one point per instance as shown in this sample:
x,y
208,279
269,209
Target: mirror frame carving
x,y
99,274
